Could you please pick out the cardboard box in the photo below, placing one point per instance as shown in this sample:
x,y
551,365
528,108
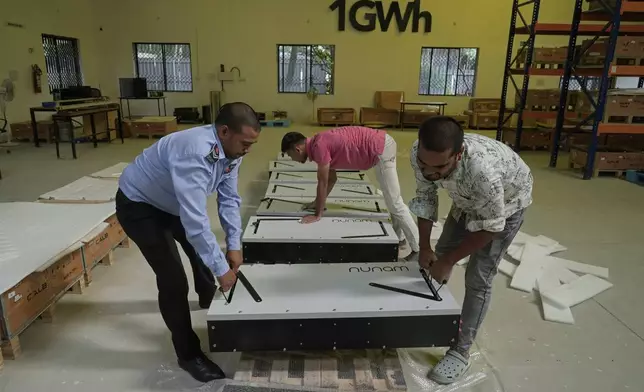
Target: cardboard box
x,y
530,138
484,104
607,158
596,52
389,99
336,116
416,117
629,50
485,120
25,301
23,131
379,116
541,99
623,104
157,126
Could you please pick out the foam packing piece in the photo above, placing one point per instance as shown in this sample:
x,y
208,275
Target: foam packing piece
x,y
577,291
533,262
549,281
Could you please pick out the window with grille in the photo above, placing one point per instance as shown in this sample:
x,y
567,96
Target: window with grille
x,y
448,71
591,83
62,60
165,67
301,68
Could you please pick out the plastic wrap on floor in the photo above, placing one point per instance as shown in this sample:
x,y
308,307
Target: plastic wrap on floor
x,y
342,370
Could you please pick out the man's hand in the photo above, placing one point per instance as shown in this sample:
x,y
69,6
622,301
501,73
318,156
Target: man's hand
x,y
227,280
309,219
426,257
441,271
235,259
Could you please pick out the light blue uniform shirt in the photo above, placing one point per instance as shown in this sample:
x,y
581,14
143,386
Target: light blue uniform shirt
x,y
177,174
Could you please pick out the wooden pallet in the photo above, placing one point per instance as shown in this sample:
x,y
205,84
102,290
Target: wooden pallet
x,y
10,346
343,370
598,172
98,249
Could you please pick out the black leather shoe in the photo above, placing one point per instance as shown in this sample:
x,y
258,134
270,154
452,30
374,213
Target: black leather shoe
x,y
202,369
205,299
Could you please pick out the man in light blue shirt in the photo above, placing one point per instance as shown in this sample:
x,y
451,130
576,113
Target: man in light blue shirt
x,y
162,199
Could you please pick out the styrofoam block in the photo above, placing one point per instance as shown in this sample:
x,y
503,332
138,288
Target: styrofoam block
x,y
515,251
533,261
577,291
521,238
581,267
507,268
564,274
549,281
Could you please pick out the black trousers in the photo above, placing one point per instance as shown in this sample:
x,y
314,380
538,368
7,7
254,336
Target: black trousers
x,y
155,232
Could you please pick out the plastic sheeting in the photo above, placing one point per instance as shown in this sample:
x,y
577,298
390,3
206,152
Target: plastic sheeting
x,y
351,370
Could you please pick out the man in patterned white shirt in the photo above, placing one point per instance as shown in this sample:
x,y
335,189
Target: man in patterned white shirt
x,y
490,187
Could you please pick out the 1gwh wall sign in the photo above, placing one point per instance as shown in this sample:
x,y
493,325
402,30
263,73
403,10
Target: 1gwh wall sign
x,y
412,12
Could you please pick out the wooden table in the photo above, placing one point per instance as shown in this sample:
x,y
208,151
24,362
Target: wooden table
x,y
441,108
67,113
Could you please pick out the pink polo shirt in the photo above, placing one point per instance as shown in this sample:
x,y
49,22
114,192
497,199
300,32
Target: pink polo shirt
x,y
351,148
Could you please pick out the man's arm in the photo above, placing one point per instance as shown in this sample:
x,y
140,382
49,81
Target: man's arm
x,y
190,175
333,178
487,220
424,205
229,204
322,190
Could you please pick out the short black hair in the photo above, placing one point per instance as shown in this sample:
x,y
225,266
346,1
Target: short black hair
x,y
291,140
235,115
441,133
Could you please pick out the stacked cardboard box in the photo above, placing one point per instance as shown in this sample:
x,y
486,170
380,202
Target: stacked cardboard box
x,y
484,113
625,106
629,51
547,58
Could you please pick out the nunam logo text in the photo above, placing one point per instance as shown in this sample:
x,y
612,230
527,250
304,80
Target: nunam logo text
x,y
383,18
398,268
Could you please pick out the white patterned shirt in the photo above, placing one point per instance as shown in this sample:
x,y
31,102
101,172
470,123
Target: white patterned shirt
x,y
490,183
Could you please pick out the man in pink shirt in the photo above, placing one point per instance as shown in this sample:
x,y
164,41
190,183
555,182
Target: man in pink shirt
x,y
354,148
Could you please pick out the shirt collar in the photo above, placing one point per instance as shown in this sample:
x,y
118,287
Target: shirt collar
x,y
216,152
309,140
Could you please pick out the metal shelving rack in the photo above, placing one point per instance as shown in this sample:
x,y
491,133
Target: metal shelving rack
x,y
624,10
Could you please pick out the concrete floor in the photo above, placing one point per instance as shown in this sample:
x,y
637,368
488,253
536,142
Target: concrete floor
x,y
112,338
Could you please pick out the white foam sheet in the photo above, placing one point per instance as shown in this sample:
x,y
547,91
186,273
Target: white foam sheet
x,y
507,268
312,178
282,157
340,191
533,261
331,291
40,231
85,189
577,291
548,281
294,206
112,172
326,230
292,166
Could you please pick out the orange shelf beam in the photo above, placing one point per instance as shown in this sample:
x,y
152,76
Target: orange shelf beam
x,y
584,29
632,129
545,115
626,70
632,6
558,72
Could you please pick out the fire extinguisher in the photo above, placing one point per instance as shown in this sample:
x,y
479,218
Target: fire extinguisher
x,y
36,74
